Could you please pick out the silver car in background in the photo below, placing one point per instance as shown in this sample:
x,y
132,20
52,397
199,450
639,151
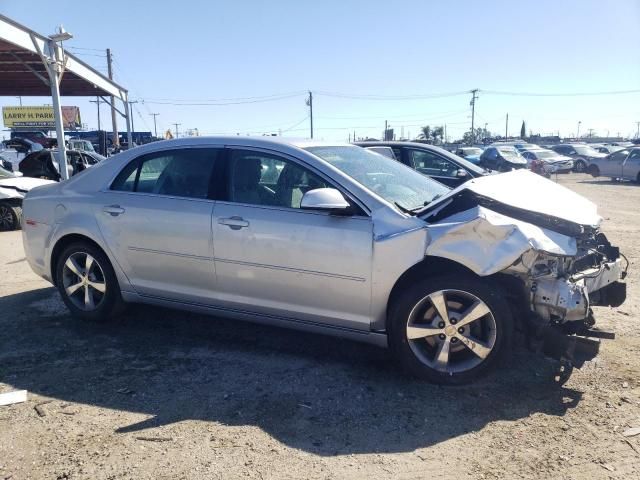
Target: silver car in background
x,y
623,165
331,239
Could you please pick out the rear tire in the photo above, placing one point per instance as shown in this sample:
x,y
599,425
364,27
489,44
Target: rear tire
x,y
10,216
456,347
88,284
580,165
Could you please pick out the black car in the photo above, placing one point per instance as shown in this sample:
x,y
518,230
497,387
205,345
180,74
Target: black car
x,y
44,164
581,154
432,161
502,158
22,145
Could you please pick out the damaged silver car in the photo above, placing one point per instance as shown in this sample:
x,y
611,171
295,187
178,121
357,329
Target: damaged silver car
x,y
331,239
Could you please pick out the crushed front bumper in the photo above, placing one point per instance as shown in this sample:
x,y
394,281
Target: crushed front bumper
x,y
567,299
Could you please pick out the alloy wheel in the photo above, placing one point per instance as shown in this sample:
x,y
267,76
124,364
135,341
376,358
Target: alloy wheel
x,y
451,331
6,218
84,281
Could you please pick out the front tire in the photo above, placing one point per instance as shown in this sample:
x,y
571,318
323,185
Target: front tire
x,y
10,216
580,165
87,283
450,329
594,171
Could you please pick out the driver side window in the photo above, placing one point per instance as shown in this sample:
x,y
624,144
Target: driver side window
x,y
258,178
429,163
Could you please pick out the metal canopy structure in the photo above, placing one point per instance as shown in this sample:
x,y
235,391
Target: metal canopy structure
x,y
36,65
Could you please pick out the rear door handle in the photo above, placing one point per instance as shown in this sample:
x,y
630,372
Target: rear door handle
x,y
113,210
234,223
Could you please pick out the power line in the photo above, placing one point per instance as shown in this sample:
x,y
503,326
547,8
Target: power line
x,y
221,103
567,94
390,97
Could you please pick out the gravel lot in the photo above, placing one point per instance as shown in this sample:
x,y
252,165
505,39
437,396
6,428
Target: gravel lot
x,y
165,394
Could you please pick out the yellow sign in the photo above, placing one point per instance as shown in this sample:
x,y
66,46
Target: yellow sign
x,y
40,117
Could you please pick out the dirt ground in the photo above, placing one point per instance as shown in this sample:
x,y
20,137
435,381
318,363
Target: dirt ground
x,y
169,395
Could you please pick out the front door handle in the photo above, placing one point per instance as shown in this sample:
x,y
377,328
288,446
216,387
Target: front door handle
x,y
234,223
113,210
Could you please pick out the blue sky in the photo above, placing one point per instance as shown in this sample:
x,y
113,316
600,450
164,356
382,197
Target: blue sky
x,y
194,51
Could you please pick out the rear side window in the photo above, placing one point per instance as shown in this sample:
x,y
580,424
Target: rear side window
x,y
179,173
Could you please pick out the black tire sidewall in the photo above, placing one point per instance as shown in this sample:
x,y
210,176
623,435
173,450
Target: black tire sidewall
x,y
112,301
15,214
484,289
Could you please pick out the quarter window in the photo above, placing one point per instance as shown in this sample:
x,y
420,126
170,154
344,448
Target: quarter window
x,y
180,173
262,179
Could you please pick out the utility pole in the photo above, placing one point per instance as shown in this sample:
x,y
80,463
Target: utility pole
x,y
445,133
114,122
155,127
578,135
177,125
590,132
384,137
20,99
131,102
98,101
474,93
638,130
506,128
310,104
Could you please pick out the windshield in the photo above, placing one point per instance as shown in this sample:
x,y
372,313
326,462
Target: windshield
x,y
585,150
390,179
545,154
509,152
471,151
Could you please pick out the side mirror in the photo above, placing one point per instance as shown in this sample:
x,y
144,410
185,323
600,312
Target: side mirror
x,y
461,173
326,199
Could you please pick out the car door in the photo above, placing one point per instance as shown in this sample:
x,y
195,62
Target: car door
x,y
274,258
631,166
611,166
156,220
435,166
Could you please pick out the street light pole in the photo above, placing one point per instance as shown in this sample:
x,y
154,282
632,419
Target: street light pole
x,y
155,127
578,135
131,102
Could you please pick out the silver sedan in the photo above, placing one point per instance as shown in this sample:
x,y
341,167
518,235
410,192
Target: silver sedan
x,y
327,238
623,164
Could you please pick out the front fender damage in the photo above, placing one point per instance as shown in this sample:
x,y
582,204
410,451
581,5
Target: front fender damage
x,y
559,273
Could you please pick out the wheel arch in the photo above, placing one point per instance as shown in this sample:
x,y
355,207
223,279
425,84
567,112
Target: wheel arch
x,y
428,267
66,240
432,265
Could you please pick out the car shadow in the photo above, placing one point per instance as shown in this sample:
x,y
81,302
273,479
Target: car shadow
x,y
607,181
323,395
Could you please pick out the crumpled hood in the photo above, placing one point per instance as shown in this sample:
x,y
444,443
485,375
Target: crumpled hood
x,y
17,187
526,191
23,183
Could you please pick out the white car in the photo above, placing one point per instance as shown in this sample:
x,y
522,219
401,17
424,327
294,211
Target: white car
x,y
13,188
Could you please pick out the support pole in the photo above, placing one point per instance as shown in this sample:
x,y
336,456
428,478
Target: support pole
x,y
114,122
473,115
310,103
155,126
128,118
54,67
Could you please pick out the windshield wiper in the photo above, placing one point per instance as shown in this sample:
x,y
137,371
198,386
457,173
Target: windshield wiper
x,y
405,209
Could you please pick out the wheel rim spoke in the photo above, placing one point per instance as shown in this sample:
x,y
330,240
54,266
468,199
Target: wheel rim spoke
x,y
88,263
440,304
71,289
476,311
441,358
99,286
480,349
421,331
88,297
73,266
